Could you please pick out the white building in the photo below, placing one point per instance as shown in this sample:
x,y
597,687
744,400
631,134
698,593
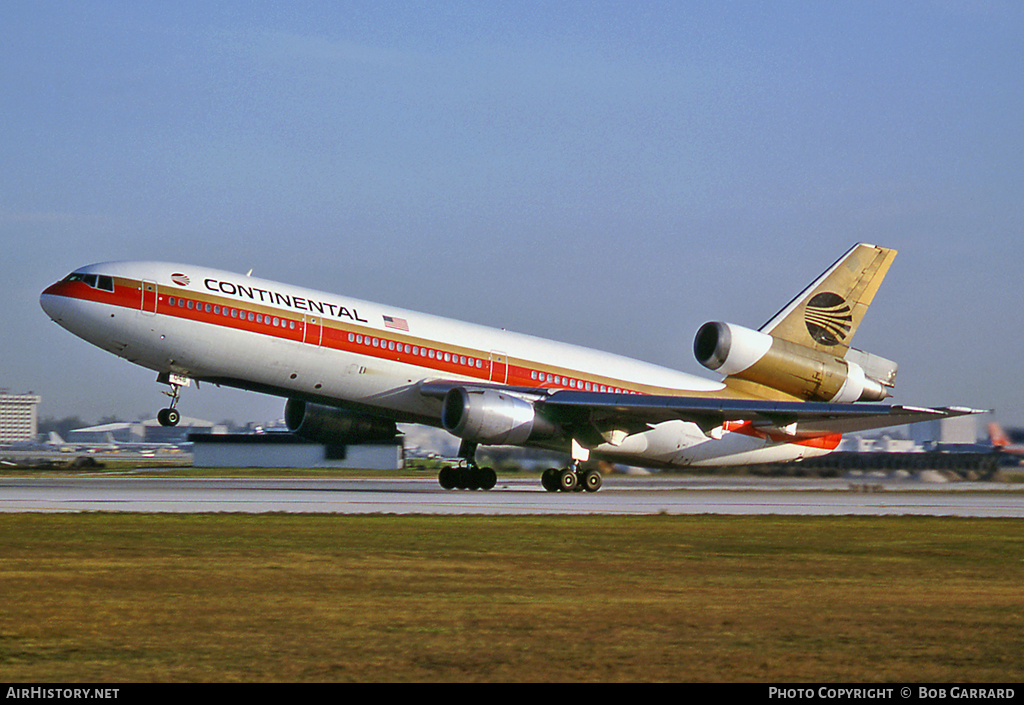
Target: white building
x,y
19,417
957,430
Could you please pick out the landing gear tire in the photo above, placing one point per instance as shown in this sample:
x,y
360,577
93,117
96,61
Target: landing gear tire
x,y
486,478
592,480
549,480
446,478
568,480
168,417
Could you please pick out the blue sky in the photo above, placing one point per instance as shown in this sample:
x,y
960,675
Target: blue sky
x,y
611,174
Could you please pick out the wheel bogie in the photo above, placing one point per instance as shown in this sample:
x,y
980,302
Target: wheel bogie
x,y
570,480
471,477
467,478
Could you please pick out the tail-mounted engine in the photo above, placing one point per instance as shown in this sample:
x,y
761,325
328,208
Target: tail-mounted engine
x,y
492,417
325,424
794,369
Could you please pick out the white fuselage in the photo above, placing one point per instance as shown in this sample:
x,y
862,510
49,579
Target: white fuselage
x,y
251,333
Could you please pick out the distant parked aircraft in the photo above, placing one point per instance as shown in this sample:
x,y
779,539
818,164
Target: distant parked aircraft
x,y
108,446
1001,442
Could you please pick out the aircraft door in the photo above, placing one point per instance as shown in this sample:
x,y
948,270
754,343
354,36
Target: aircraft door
x,y
312,330
499,367
148,304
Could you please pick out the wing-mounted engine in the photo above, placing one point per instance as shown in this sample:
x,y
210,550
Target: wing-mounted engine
x,y
325,424
493,417
791,368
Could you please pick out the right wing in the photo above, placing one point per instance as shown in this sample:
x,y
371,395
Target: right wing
x,y
595,417
632,413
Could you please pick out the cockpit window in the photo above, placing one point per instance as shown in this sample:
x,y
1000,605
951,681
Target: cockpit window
x,y
96,281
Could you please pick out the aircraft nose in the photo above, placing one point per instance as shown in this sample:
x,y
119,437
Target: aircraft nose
x,y
52,302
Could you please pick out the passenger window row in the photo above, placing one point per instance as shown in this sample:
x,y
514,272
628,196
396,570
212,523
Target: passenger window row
x,y
546,378
418,351
227,312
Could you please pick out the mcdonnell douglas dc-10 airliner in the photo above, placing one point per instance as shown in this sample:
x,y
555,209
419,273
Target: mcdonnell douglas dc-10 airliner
x,y
350,370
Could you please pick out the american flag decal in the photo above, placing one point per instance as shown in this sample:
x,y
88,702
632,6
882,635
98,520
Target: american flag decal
x,y
397,323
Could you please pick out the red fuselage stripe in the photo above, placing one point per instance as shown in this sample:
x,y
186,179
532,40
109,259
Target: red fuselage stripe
x,y
329,333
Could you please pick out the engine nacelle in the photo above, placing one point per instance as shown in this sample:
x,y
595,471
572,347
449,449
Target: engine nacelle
x,y
326,424
739,352
492,417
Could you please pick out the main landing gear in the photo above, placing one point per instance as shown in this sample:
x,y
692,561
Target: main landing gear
x,y
571,479
467,475
170,415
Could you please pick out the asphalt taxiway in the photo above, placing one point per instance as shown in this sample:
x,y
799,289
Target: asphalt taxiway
x,y
515,496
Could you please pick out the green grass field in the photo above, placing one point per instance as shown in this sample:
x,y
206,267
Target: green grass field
x,y
123,597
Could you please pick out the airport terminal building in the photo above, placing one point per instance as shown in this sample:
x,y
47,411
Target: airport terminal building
x,y
19,417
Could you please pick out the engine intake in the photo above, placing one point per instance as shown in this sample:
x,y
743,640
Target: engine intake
x,y
325,424
788,367
493,418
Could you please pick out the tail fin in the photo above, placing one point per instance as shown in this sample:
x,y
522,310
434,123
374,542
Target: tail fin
x,y
826,314
997,436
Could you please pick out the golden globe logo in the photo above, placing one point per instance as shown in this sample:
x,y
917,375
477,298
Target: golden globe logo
x,y
828,318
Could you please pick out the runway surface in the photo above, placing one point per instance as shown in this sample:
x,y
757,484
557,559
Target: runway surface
x,y
518,496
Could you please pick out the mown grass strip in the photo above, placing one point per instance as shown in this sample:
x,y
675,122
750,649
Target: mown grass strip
x,y
124,597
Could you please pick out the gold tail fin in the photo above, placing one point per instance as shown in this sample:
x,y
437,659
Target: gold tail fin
x,y
825,315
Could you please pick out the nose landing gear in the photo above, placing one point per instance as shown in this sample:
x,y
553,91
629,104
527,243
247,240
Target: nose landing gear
x,y
170,415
